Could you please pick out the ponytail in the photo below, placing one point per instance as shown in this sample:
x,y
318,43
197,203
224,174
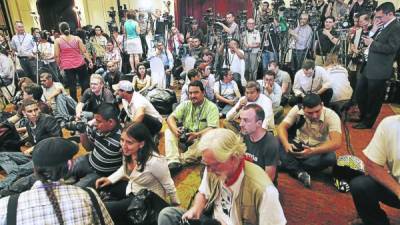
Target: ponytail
x,y
64,28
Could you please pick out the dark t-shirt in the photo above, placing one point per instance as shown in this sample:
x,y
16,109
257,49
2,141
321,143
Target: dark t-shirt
x,y
264,152
92,101
326,44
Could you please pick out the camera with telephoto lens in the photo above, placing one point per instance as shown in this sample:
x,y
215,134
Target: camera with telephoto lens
x,y
79,125
188,20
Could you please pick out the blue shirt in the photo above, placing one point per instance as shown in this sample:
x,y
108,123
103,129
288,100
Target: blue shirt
x,y
130,29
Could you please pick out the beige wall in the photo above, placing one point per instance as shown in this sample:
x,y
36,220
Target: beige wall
x,y
20,10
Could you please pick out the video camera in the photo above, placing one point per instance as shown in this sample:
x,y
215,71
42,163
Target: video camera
x,y
184,143
112,13
188,20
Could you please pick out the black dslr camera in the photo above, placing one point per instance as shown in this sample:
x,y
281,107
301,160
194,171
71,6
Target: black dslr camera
x,y
184,143
299,146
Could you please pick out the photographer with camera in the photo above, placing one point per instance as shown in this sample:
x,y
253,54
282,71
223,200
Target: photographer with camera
x,y
326,41
195,31
232,190
311,79
101,138
310,134
231,26
302,37
39,127
251,45
197,116
93,96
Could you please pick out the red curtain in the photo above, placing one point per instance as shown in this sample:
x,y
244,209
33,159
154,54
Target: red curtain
x,y
196,8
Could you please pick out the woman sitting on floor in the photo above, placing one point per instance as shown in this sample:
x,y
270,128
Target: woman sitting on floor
x,y
145,168
141,81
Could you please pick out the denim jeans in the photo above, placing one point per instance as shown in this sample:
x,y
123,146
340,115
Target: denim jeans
x,y
15,164
267,56
84,172
173,216
311,164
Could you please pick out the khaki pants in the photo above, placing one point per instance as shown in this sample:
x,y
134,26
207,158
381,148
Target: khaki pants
x,y
173,153
319,61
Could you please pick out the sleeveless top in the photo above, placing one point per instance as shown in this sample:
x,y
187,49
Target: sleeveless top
x,y
130,29
70,54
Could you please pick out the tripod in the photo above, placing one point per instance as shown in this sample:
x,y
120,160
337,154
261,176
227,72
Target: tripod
x,y
342,44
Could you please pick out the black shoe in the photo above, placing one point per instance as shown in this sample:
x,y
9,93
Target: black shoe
x,y
305,179
361,126
174,168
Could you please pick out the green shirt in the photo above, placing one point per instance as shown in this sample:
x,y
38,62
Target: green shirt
x,y
197,118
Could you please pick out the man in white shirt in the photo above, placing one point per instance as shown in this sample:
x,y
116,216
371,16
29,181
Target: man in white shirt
x,y
253,96
235,62
283,79
6,69
273,91
311,79
251,39
235,190
382,185
138,108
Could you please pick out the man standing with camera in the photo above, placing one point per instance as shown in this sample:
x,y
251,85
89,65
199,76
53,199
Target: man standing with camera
x,y
195,31
301,41
231,26
383,45
196,117
251,43
310,134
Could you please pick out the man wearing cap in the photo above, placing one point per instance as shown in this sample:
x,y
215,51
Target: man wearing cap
x,y
94,96
232,190
50,201
138,108
102,140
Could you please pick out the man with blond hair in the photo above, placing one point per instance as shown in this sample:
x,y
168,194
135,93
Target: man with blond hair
x,y
235,190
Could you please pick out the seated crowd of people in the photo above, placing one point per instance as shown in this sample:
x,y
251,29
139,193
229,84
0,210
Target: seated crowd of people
x,y
244,131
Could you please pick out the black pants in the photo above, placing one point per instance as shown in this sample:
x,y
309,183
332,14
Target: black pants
x,y
153,124
367,194
29,66
325,98
70,77
369,95
118,210
298,57
144,45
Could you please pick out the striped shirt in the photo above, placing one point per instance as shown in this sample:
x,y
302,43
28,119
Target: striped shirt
x,y
34,207
106,156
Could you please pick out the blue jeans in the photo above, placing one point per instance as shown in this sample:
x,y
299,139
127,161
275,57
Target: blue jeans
x,y
173,216
314,163
15,164
84,172
267,56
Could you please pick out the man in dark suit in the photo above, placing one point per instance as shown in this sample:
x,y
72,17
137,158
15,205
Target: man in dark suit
x,y
383,42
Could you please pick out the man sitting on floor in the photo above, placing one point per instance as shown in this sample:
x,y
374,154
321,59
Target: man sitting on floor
x,y
138,108
253,95
262,146
232,190
196,117
39,127
381,185
310,134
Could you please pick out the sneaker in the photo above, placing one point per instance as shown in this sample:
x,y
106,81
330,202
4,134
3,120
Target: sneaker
x,y
304,178
356,221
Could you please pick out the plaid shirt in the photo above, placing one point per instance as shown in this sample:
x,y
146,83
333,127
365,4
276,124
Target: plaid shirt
x,y
35,208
